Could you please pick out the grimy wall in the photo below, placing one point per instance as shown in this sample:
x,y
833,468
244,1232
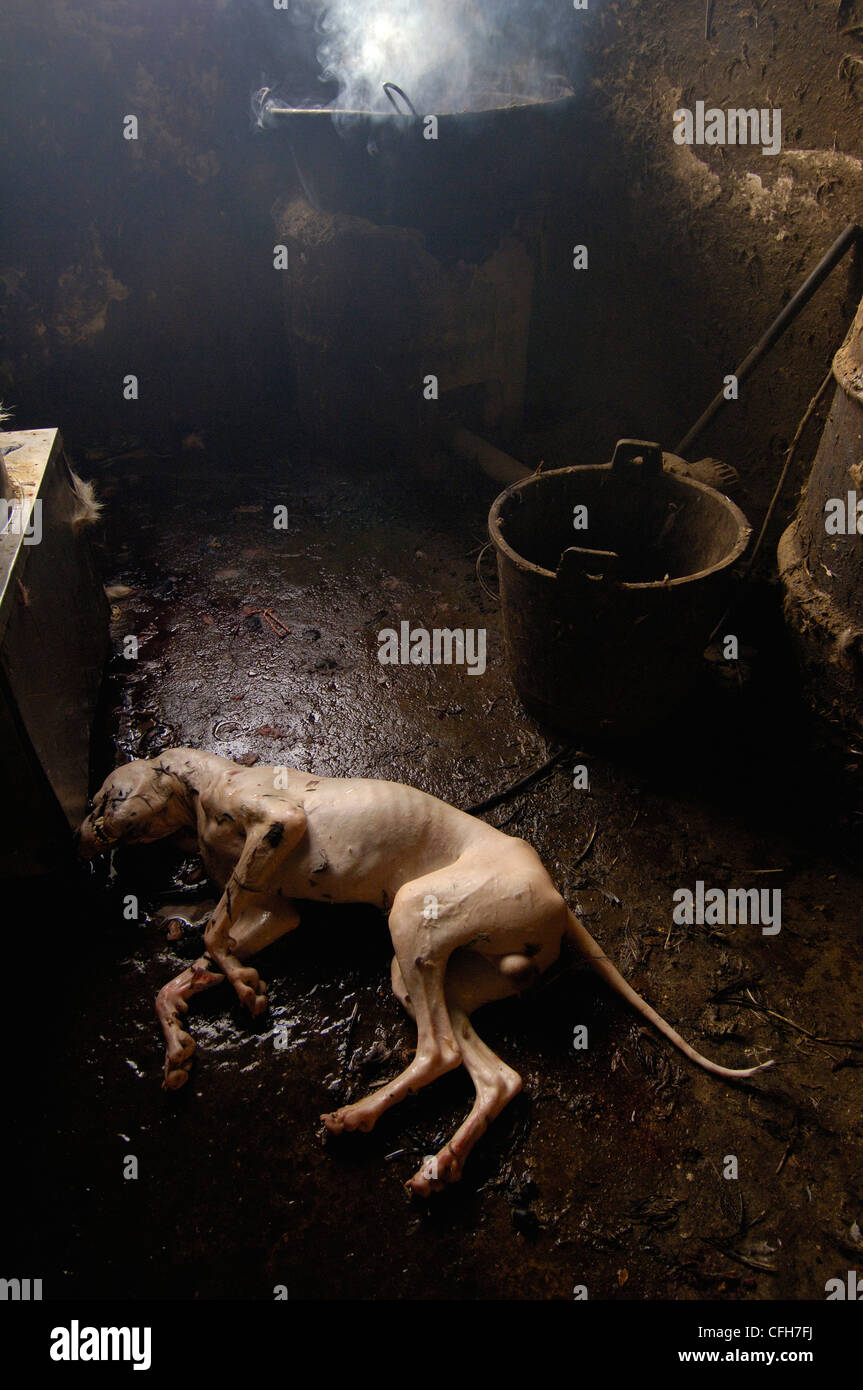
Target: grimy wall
x,y
705,244
154,256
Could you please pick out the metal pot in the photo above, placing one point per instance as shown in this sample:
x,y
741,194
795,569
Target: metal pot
x,y
606,636
484,167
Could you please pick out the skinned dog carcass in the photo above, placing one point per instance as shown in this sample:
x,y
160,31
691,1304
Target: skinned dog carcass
x,y
473,914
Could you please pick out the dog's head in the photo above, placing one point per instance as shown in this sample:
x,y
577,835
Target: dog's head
x,y
138,803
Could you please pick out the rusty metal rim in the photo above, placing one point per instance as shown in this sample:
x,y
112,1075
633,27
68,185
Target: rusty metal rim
x,y
405,118
528,567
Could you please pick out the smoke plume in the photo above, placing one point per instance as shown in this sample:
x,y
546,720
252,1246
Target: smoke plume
x,y
446,55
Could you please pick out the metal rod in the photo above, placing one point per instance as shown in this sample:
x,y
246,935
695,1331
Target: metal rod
x,y
851,235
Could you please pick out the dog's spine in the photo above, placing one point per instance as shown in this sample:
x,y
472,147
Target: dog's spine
x,y
589,948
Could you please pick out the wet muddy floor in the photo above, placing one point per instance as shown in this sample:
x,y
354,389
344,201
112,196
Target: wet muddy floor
x,y
611,1170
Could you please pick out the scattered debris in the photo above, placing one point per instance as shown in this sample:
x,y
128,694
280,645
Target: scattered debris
x,y
590,839
275,624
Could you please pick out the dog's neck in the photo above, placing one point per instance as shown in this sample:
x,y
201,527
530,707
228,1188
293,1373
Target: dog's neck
x,y
191,770
183,768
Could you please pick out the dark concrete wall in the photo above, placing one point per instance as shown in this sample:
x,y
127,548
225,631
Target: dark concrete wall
x,y
150,256
154,256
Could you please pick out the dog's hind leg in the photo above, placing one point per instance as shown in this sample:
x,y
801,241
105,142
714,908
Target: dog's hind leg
x,y
251,933
471,981
495,1085
507,918
422,947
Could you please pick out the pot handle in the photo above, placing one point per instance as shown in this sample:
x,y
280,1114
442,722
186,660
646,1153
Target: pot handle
x,y
389,88
579,566
646,456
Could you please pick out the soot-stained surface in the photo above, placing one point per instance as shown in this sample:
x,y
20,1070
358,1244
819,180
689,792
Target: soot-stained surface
x,y
608,1171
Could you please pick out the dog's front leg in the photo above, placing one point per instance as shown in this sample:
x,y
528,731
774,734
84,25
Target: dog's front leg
x,y
171,1002
273,831
250,934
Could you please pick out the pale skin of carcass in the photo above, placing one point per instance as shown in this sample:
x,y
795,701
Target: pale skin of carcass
x,y
473,914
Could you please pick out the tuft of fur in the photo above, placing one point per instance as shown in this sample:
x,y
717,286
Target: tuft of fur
x,y
87,507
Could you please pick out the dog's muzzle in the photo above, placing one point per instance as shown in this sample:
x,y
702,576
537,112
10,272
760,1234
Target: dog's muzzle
x,y
91,839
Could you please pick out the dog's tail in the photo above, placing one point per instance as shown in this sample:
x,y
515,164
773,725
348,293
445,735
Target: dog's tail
x,y
581,938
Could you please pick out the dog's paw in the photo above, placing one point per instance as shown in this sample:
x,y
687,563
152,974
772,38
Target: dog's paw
x,y
251,990
349,1119
178,1062
436,1173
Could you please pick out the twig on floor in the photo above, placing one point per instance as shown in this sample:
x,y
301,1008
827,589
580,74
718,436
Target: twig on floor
x,y
586,850
788,1147
521,785
740,983
752,1003
742,1259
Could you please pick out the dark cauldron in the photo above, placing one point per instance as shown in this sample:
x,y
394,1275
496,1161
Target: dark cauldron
x,y
608,639
487,166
